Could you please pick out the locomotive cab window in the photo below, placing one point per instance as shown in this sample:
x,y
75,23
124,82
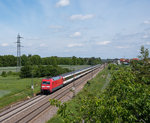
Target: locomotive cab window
x,y
46,82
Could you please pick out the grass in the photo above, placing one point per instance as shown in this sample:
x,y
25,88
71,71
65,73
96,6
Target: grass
x,y
95,85
14,89
7,69
4,92
71,67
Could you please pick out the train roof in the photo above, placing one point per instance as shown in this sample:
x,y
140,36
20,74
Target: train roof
x,y
53,78
65,74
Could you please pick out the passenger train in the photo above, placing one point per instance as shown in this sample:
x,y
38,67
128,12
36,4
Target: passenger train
x,y
51,84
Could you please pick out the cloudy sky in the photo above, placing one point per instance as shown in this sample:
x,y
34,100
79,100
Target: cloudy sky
x,y
82,28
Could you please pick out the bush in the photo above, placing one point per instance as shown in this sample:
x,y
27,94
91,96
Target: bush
x,y
9,73
4,74
112,67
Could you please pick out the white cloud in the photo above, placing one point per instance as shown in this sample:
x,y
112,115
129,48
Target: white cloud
x,y
75,45
4,44
103,42
147,43
122,47
62,3
146,22
81,17
76,34
42,45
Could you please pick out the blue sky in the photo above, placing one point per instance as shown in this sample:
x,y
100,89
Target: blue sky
x,y
82,28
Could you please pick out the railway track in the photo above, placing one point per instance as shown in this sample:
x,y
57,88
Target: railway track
x,y
28,110
51,110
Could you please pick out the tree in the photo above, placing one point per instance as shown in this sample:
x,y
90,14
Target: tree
x,y
1,61
94,61
144,54
74,60
142,67
24,60
8,60
26,71
4,74
54,61
35,60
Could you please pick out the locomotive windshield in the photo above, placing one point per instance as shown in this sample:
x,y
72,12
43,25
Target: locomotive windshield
x,y
46,82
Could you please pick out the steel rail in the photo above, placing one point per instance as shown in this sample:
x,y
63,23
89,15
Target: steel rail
x,y
7,115
19,108
79,85
46,105
19,105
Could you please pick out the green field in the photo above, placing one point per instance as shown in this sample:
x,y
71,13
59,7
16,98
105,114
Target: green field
x,y
71,67
13,89
7,69
97,84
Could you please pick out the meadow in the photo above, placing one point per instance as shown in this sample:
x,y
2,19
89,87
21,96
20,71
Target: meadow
x,y
71,67
14,89
7,69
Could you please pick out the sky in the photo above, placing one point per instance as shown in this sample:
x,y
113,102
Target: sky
x,y
81,28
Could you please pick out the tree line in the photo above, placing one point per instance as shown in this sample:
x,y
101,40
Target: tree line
x,y
41,71
10,60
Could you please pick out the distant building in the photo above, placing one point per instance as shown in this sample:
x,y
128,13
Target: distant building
x,y
118,62
124,61
137,59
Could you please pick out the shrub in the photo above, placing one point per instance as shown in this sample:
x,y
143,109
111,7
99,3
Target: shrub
x,y
9,73
4,74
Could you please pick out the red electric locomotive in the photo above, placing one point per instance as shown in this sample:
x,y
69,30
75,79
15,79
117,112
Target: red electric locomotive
x,y
51,84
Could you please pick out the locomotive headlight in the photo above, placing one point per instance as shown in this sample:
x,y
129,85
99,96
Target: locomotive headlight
x,y
48,86
43,86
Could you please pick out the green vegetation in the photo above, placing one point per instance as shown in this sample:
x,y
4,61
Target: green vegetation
x,y
7,69
125,99
41,71
13,89
70,67
10,60
93,86
4,74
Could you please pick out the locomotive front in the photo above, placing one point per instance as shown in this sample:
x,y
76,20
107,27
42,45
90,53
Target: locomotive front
x,y
45,85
